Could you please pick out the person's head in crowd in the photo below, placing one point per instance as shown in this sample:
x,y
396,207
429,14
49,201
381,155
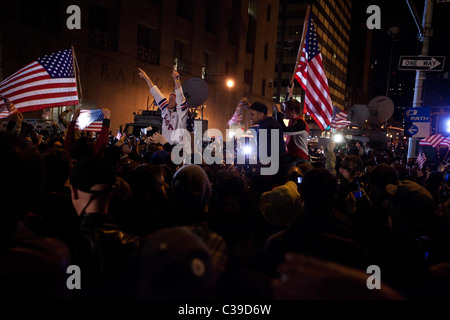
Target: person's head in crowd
x,y
58,165
83,147
381,175
160,157
401,170
21,171
305,166
319,189
257,112
411,207
282,205
293,109
351,167
170,264
148,185
191,192
92,183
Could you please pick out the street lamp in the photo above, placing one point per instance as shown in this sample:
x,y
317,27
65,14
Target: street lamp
x,y
230,83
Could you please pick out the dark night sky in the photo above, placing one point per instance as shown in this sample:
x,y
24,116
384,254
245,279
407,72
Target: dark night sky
x,y
397,13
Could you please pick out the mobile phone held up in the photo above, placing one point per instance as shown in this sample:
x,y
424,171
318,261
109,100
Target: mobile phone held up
x,y
357,193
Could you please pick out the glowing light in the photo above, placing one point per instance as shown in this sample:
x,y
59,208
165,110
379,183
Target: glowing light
x,y
247,150
230,83
83,120
231,134
448,125
338,138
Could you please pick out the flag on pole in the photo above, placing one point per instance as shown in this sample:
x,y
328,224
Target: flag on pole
x,y
47,82
433,140
311,76
421,159
90,120
339,119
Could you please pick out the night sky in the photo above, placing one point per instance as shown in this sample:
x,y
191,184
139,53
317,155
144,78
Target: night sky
x,y
397,13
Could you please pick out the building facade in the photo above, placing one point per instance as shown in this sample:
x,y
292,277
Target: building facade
x,y
333,21
211,40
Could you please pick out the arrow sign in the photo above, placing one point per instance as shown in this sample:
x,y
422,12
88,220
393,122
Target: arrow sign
x,y
415,63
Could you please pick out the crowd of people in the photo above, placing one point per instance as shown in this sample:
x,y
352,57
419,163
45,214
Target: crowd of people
x,y
139,226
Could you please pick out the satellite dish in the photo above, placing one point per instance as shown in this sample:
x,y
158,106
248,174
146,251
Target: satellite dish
x,y
195,91
382,107
359,113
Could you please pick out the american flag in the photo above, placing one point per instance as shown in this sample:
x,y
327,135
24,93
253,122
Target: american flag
x,y
339,119
311,76
6,108
47,82
434,140
421,159
445,143
90,120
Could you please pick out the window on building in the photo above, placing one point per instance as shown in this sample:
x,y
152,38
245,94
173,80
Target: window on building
x,y
185,9
41,15
248,80
179,57
103,27
207,72
263,87
148,44
266,51
269,9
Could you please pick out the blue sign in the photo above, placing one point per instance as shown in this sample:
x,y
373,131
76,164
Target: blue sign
x,y
412,130
417,122
420,114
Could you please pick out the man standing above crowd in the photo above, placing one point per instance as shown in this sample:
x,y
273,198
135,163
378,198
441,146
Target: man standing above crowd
x,y
297,131
257,115
173,111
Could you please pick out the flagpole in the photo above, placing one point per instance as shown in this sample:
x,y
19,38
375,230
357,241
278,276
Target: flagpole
x,y
76,70
305,27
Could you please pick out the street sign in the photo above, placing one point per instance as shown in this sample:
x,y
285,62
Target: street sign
x,y
417,122
414,63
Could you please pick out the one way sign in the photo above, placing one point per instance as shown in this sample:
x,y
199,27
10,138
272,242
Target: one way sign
x,y
414,63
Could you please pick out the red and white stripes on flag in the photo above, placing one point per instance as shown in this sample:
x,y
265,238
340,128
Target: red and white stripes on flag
x,y
445,143
434,140
7,108
90,120
45,83
421,159
339,119
311,76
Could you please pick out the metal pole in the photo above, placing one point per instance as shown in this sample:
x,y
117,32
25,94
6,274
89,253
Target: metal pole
x,y
420,75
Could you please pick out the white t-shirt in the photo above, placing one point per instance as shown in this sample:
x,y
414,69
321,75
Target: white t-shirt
x,y
172,119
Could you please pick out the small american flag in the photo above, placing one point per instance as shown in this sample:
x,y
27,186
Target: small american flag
x,y
421,159
90,120
339,119
47,82
6,108
434,140
311,76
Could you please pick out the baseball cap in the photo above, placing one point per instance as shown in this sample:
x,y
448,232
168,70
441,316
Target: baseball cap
x,y
259,106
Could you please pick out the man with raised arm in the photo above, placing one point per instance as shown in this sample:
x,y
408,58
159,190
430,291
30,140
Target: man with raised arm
x,y
173,111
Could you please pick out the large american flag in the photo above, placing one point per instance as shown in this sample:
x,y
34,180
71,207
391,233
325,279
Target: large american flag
x,y
434,140
339,119
47,82
311,76
90,120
